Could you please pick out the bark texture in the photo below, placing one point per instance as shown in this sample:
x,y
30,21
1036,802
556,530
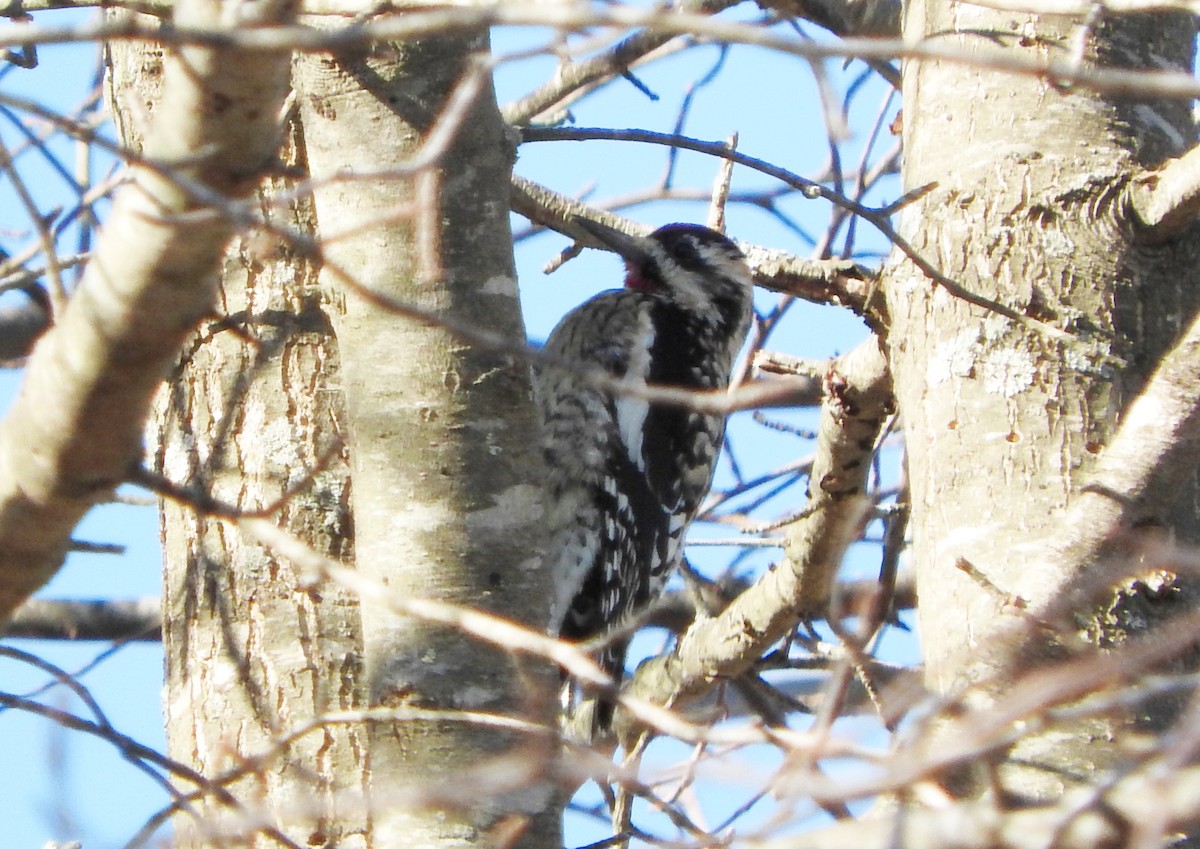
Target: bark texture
x,y
1003,423
250,418
270,409
75,428
442,433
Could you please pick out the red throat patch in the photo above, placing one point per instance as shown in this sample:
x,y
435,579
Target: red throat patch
x,y
634,279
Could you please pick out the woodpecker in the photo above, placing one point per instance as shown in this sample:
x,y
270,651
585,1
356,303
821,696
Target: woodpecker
x,y
626,475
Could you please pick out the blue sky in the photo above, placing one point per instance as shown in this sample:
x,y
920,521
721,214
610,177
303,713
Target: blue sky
x,y
103,799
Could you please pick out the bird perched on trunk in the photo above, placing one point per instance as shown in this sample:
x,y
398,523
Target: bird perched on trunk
x,y
626,474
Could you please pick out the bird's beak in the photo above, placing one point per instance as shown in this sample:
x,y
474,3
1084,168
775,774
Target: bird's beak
x,y
632,248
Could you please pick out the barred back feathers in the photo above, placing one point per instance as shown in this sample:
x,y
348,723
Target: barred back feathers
x,y
627,476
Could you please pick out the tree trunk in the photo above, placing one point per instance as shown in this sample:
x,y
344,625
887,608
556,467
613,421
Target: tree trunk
x,y
1002,420
253,418
272,404
442,433
252,653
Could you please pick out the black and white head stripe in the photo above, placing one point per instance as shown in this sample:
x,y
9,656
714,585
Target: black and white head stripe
x,y
625,476
696,267
694,247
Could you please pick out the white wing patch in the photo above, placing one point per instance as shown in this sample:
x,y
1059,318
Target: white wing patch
x,y
632,412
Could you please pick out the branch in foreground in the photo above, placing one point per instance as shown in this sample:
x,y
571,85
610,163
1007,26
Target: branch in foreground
x,y
60,619
76,426
572,77
1077,821
1167,201
833,281
488,628
727,645
410,24
1136,479
140,619
969,732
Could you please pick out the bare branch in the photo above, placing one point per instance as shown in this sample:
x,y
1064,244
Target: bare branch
x,y
727,645
1166,202
573,77
1139,475
54,619
136,752
858,402
967,734
720,193
418,24
490,629
1083,7
839,282
812,189
1072,823
140,620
